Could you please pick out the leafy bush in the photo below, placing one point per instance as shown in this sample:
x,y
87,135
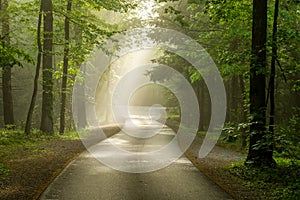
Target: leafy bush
x,y
282,182
287,140
235,136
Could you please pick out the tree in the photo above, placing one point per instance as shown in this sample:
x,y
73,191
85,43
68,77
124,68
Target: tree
x,y
6,72
81,107
36,77
47,99
259,153
271,91
65,69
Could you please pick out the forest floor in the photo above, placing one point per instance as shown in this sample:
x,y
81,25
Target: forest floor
x,y
31,168
216,167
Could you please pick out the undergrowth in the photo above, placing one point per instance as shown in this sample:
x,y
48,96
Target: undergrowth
x,y
14,142
281,182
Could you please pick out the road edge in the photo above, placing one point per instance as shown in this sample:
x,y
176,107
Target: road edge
x,y
57,172
197,165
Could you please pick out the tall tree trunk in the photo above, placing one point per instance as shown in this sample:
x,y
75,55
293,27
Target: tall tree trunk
x,y
235,99
259,153
81,107
81,112
107,107
228,96
272,76
6,72
37,74
47,101
65,70
243,111
200,96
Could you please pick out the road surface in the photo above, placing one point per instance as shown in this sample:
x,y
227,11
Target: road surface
x,y
88,179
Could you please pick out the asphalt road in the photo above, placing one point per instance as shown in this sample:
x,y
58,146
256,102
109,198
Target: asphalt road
x,y
88,179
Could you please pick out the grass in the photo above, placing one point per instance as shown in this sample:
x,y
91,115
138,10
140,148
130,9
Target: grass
x,y
14,144
3,170
282,182
10,137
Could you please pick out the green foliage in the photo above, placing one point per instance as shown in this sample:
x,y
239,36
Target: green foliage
x,y
12,55
287,141
114,5
288,42
234,136
230,134
282,182
17,137
3,171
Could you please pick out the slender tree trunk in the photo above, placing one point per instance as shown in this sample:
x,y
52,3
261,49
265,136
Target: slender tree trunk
x,y
259,153
47,101
107,109
243,99
272,76
81,112
6,71
81,107
36,77
228,96
65,70
243,111
235,99
200,96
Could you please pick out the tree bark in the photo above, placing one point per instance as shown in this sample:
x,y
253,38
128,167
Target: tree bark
x,y
47,101
81,112
259,154
37,74
6,72
200,96
81,122
272,76
243,110
65,70
234,99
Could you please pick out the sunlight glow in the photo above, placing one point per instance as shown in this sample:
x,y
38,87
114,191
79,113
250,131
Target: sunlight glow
x,y
146,10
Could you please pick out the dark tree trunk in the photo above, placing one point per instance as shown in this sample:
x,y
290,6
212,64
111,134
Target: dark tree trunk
x,y
36,77
6,71
65,70
199,87
47,101
259,153
200,96
272,76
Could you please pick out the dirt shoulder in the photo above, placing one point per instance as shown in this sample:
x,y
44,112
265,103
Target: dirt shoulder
x,y
215,166
33,168
33,163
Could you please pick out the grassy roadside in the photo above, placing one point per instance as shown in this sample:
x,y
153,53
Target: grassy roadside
x,y
282,182
14,144
28,163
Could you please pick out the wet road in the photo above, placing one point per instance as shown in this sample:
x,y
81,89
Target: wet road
x,y
88,179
